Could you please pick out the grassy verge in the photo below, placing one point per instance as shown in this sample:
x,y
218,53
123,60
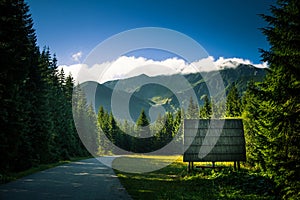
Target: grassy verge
x,y
173,182
14,176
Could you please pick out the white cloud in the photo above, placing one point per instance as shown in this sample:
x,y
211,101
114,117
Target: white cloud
x,y
71,69
223,61
76,56
233,62
203,65
262,65
125,67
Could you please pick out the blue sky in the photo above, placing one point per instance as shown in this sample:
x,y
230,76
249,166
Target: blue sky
x,y
228,28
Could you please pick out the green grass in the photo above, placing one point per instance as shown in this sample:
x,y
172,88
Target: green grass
x,y
160,100
173,182
14,176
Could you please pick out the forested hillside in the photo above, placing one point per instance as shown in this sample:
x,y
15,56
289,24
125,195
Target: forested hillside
x,y
144,96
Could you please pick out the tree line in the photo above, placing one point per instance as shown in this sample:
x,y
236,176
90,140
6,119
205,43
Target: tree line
x,y
36,112
140,137
232,106
101,130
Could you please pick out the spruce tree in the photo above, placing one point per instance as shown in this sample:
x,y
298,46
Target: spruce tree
x,y
192,110
157,130
142,124
142,142
103,128
19,53
92,131
218,108
127,138
80,113
178,129
233,103
205,111
273,112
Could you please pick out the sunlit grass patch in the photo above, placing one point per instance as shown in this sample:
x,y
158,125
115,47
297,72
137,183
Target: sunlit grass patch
x,y
174,182
140,164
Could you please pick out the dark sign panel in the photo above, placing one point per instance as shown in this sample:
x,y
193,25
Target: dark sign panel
x,y
214,140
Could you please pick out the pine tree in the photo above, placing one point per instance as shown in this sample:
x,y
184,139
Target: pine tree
x,y
273,112
178,132
217,109
192,110
233,103
80,113
18,54
142,142
255,138
157,131
103,120
167,132
102,144
92,131
127,138
169,127
142,124
159,123
74,143
205,111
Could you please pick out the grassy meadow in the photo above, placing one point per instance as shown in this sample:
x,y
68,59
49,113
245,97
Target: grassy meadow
x,y
174,182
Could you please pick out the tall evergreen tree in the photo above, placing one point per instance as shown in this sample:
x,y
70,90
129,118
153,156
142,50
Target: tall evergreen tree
x,y
81,117
233,103
142,124
173,128
75,146
205,111
92,132
103,128
192,110
142,142
167,131
169,127
274,111
127,138
218,108
178,129
157,130
19,53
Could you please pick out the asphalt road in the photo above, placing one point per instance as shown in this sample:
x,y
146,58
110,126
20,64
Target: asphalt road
x,y
86,179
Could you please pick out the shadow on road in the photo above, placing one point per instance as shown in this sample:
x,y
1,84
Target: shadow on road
x,y
86,179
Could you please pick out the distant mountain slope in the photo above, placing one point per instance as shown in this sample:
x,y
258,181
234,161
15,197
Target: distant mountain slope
x,y
142,92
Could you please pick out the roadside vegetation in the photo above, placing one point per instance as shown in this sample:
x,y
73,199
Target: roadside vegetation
x,y
174,182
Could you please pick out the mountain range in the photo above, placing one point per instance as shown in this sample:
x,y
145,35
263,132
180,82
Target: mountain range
x,y
127,97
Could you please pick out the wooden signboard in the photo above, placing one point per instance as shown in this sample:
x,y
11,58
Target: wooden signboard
x,y
215,140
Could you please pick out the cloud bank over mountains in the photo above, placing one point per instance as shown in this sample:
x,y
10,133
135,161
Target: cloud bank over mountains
x,y
126,67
